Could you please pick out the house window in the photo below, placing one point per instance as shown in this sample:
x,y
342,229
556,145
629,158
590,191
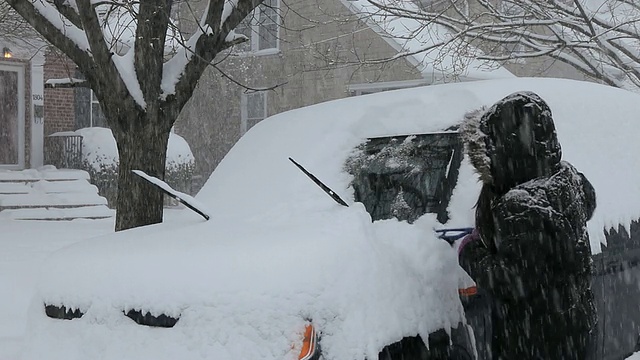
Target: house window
x,y
87,109
97,116
253,109
262,29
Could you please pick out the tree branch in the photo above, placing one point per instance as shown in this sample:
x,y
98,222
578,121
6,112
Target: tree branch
x,y
93,32
68,12
593,41
151,32
57,34
207,46
103,74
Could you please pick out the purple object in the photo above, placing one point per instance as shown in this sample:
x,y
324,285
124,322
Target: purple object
x,y
467,239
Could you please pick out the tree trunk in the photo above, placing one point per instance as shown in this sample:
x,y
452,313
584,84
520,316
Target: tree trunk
x,y
143,146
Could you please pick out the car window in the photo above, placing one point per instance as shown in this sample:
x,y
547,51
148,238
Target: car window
x,y
406,176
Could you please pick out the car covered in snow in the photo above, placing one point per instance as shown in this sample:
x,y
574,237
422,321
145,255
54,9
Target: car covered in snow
x,y
282,271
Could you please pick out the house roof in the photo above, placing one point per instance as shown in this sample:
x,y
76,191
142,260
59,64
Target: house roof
x,y
418,42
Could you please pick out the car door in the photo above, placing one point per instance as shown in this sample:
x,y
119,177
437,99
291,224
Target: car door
x,y
616,287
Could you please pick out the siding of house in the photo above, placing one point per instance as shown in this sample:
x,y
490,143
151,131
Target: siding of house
x,y
58,102
317,42
544,66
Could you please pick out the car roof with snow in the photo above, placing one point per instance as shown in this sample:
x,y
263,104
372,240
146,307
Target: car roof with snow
x,y
278,250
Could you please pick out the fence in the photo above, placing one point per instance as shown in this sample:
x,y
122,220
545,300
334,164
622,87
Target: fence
x,y
63,150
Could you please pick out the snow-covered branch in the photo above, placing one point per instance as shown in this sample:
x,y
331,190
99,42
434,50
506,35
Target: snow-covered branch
x,y
599,38
153,20
68,11
54,27
214,34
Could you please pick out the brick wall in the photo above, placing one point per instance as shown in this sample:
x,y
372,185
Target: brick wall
x,y
59,114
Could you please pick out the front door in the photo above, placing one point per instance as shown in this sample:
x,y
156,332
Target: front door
x,y
12,117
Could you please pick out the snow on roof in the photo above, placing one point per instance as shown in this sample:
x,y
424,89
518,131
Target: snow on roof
x,y
279,250
421,42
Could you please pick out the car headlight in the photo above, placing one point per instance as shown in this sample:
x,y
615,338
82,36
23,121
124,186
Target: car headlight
x,y
310,349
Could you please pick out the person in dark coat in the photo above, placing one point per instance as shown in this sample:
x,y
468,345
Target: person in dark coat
x,y
533,258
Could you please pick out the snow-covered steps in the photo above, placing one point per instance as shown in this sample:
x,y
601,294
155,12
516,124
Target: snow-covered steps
x,y
83,212
50,194
49,173
37,199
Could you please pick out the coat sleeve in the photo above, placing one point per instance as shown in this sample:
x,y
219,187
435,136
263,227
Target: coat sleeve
x,y
589,196
528,231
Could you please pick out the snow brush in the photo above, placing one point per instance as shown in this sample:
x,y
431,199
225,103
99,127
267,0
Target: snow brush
x,y
459,234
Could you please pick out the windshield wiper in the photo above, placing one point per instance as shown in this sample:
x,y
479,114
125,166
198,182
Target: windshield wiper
x,y
322,186
185,199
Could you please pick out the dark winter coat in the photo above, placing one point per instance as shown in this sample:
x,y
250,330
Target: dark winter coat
x,y
534,259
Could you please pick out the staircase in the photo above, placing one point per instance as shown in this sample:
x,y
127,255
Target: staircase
x,y
50,194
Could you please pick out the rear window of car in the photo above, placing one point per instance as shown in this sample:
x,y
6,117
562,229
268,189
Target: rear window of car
x,y
407,176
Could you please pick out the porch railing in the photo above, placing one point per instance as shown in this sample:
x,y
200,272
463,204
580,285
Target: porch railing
x,y
63,150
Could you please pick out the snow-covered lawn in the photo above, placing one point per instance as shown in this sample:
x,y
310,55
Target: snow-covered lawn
x,y
23,247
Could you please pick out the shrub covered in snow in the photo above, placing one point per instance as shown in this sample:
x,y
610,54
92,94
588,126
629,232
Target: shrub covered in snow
x,y
100,159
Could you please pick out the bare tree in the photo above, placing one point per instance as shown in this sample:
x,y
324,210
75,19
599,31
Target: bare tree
x,y
121,48
599,38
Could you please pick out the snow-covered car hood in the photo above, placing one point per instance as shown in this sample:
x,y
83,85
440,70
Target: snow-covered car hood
x,y
244,290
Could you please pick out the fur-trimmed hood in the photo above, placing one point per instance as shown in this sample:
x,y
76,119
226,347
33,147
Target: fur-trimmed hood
x,y
512,142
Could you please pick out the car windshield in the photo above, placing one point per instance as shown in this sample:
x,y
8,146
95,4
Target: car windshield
x,y
406,176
